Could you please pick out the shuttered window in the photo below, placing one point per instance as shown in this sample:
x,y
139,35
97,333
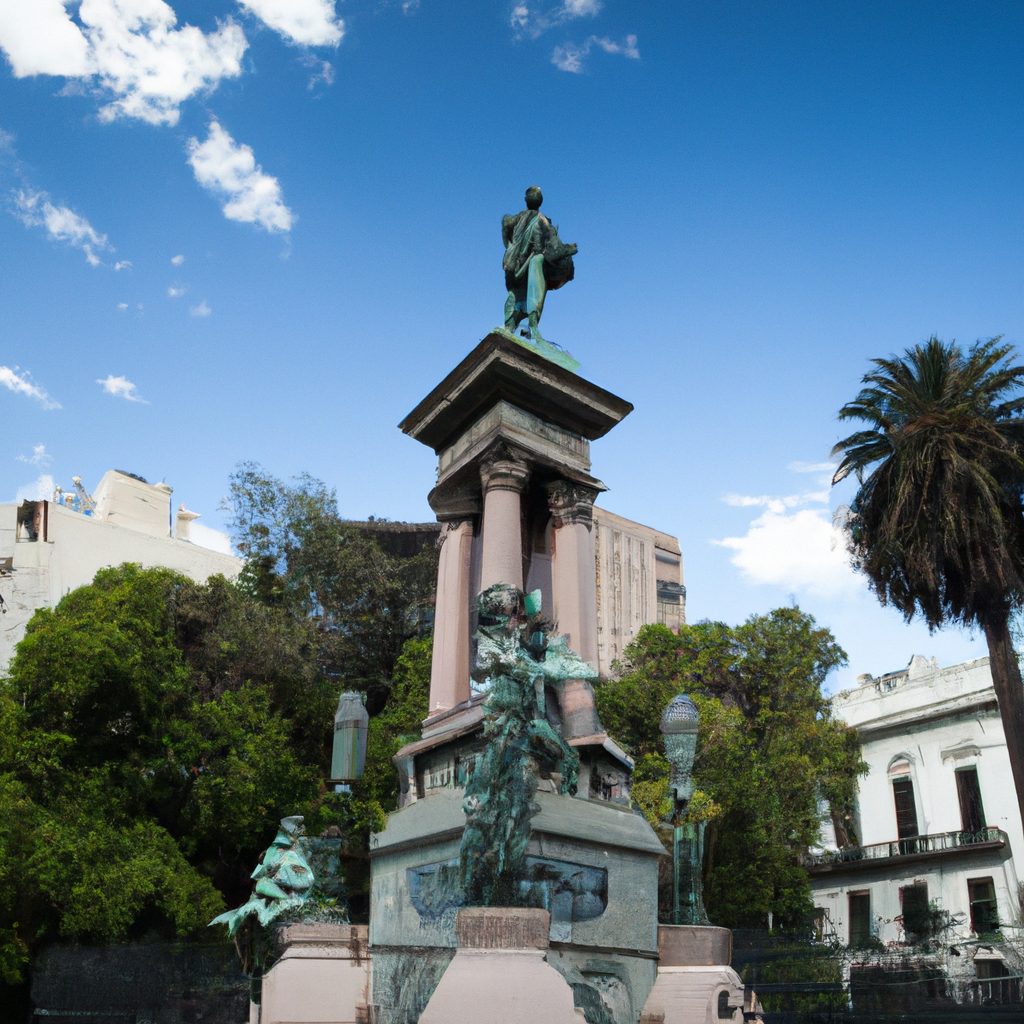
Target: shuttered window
x,y
906,810
972,813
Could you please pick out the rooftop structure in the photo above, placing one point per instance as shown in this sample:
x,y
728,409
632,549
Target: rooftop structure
x,y
50,547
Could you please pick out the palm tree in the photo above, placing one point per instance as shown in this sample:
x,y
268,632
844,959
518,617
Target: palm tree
x,y
938,525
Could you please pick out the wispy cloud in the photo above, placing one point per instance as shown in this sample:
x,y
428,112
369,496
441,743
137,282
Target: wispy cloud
x,y
130,50
306,22
123,265
323,71
223,166
121,387
571,56
532,20
39,457
34,209
177,260
122,306
21,384
39,490
201,310
176,291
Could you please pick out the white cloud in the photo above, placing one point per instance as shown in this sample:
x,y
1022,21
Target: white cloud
x,y
570,57
306,22
176,292
207,537
122,306
201,310
128,48
39,457
223,166
799,550
533,22
40,489
34,209
410,6
21,384
123,265
177,260
40,38
121,387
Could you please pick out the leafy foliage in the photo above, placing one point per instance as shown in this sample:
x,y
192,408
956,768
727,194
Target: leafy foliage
x,y
364,600
938,525
152,733
768,750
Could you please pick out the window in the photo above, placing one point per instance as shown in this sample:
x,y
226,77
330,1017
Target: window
x,y
916,914
906,813
860,918
972,814
984,912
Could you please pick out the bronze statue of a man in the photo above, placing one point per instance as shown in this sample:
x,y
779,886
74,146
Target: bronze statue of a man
x,y
536,260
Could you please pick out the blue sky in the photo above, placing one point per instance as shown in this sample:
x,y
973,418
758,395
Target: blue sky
x,y
265,230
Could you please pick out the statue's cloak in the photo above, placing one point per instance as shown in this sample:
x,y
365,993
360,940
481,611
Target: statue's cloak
x,y
527,234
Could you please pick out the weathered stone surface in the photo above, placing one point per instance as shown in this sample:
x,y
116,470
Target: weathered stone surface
x,y
695,995
500,975
684,945
498,370
502,928
322,976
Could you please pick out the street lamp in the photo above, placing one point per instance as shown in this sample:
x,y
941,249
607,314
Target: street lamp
x,y
351,723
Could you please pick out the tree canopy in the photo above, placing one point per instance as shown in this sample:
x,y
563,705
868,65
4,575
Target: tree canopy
x,y
152,732
769,751
937,525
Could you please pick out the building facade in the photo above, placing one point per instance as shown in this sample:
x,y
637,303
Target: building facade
x,y
937,825
50,547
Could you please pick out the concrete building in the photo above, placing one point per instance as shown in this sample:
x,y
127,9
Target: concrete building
x,y
937,822
639,581
50,547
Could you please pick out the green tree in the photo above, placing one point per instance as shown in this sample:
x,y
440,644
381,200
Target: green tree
x,y
144,762
365,600
768,750
937,526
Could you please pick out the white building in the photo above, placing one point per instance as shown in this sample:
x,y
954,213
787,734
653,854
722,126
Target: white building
x,y
48,548
937,819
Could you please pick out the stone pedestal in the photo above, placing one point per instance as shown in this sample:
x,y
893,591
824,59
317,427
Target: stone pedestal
x,y
500,974
322,977
695,985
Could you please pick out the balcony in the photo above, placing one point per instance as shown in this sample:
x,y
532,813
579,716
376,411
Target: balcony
x,y
943,844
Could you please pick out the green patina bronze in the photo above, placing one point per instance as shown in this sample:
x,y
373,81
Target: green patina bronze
x,y
298,878
536,261
515,660
679,725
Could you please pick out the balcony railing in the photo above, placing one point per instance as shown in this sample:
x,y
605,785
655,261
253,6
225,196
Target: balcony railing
x,y
918,847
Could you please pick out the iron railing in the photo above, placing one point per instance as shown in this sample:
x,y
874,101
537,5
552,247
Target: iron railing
x,y
943,842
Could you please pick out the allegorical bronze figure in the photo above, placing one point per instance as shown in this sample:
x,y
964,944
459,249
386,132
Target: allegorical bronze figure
x,y
536,260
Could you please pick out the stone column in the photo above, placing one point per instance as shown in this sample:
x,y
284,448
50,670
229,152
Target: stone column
x,y
573,571
449,667
502,558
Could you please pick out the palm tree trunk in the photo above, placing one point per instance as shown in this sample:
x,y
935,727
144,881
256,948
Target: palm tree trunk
x,y
1009,689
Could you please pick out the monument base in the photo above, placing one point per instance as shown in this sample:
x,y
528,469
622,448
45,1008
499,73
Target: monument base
x,y
695,985
500,974
322,976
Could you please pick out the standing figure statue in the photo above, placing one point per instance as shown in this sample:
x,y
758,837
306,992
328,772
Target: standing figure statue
x,y
535,260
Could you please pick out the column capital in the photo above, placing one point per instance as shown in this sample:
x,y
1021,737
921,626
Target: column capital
x,y
504,471
571,503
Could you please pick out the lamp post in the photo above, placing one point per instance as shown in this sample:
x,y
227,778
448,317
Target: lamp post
x,y
679,725
351,723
